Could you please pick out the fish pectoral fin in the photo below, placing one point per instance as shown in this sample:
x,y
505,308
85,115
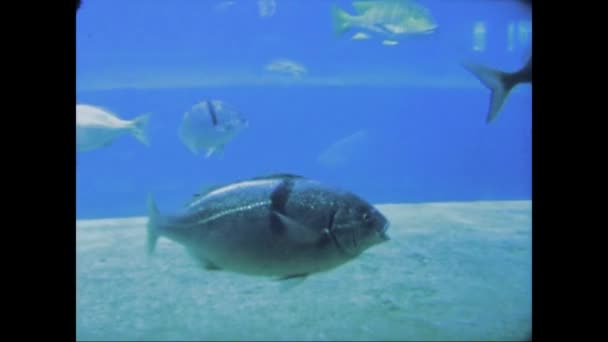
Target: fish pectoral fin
x,y
218,150
293,230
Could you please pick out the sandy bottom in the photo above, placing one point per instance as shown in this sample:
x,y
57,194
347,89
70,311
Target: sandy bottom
x,y
452,271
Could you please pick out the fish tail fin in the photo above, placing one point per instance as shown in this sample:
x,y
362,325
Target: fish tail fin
x,y
341,20
140,128
153,218
495,80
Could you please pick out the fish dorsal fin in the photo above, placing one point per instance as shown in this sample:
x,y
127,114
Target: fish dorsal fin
x,y
278,176
363,6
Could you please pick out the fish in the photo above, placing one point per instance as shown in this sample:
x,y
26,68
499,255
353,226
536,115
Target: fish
x,y
209,125
267,8
345,150
282,226
389,42
390,18
287,66
500,83
224,6
97,127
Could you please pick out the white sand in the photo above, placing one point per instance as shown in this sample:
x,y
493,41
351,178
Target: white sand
x,y
452,271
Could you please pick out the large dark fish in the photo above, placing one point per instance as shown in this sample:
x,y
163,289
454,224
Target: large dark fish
x,y
280,225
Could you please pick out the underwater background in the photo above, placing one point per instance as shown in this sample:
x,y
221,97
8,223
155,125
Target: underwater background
x,y
403,126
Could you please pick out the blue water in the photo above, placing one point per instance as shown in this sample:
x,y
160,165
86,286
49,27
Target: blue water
x,y
400,125
424,115
416,150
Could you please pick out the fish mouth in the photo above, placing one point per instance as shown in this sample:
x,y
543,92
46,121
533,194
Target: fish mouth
x,y
382,232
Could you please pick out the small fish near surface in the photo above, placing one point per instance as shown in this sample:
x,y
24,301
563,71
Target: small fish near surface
x,y
390,18
286,66
97,127
283,225
209,125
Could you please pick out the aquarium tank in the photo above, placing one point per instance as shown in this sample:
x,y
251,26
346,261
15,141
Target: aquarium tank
x,y
315,170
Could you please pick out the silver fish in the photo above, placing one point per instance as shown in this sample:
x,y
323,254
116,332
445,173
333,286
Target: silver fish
x,y
286,66
282,225
97,127
209,125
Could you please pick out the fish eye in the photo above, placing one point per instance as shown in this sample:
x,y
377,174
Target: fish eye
x,y
366,216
